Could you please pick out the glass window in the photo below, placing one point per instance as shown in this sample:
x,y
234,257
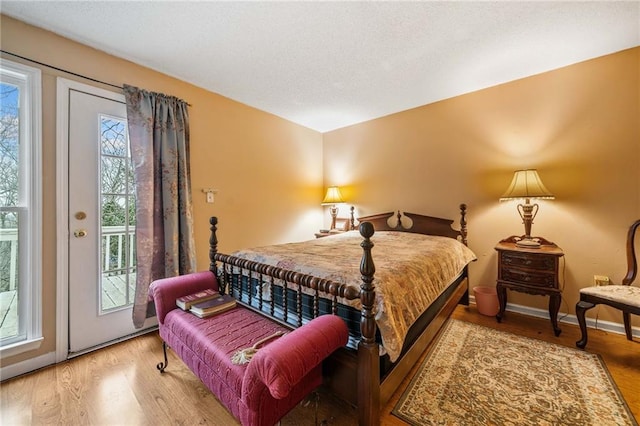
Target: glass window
x,y
20,208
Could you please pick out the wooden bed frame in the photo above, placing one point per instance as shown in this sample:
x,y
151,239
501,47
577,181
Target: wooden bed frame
x,y
362,369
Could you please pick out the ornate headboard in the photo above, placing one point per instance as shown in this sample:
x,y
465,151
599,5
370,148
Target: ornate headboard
x,y
419,224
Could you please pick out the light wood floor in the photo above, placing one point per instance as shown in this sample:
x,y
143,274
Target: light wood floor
x,y
120,385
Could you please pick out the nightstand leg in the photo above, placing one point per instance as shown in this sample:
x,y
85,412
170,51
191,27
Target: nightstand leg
x,y
502,301
554,307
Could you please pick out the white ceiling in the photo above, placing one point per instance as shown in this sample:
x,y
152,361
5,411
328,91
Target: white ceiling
x,y
327,65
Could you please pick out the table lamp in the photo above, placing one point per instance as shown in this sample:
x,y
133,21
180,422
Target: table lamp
x,y
528,185
332,198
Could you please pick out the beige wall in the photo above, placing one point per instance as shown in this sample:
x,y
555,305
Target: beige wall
x,y
579,126
268,171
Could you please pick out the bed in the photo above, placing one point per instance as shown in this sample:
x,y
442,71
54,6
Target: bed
x,y
389,326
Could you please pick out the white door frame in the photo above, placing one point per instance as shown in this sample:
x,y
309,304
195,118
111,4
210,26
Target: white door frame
x,y
62,205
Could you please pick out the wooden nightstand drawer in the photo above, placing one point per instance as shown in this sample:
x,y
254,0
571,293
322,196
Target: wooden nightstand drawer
x,y
537,279
526,260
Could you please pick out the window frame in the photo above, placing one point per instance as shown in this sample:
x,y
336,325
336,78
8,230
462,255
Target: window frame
x,y
29,208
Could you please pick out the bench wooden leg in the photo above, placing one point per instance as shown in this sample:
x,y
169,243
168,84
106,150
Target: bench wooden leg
x,y
162,365
581,309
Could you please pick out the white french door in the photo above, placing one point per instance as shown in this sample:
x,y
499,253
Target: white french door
x,y
101,219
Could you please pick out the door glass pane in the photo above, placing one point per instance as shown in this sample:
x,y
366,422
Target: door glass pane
x,y
117,206
114,213
114,177
114,137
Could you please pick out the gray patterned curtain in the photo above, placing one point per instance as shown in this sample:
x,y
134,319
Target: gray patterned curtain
x,y
159,142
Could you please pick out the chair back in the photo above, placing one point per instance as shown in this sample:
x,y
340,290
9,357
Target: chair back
x,y
632,263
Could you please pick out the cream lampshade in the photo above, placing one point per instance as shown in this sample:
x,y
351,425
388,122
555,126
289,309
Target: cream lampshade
x,y
528,185
332,198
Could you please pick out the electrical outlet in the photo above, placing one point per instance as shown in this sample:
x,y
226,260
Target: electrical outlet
x,y
599,280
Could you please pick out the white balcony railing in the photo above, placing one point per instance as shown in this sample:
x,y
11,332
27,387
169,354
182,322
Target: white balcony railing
x,y
118,267
9,235
114,260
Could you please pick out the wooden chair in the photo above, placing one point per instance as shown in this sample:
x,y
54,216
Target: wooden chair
x,y
624,297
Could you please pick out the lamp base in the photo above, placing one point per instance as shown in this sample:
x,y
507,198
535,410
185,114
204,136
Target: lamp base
x,y
528,243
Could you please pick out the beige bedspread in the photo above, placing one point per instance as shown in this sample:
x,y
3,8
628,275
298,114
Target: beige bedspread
x,y
412,270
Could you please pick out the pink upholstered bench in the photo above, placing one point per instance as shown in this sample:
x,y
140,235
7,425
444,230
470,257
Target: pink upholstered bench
x,y
279,375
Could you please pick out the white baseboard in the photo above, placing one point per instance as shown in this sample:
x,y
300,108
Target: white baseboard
x,y
27,366
563,317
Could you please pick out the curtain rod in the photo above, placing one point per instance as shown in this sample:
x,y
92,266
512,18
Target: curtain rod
x,y
65,71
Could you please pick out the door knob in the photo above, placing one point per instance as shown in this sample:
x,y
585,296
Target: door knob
x,y
79,233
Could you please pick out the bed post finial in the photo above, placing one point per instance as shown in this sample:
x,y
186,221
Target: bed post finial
x,y
463,223
213,245
368,351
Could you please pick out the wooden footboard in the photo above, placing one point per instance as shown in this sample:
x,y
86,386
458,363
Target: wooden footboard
x,y
341,367
372,392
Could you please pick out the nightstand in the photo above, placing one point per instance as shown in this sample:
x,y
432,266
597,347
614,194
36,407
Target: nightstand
x,y
531,271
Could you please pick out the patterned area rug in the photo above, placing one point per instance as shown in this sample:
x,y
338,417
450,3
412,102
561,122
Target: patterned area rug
x,y
476,375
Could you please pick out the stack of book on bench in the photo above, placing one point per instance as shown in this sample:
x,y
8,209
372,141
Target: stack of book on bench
x,y
206,303
220,304
185,302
